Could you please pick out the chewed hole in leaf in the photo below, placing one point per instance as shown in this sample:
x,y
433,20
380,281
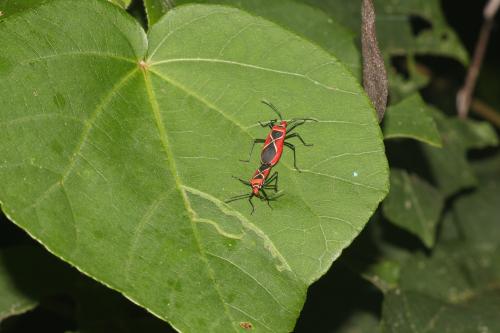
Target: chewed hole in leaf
x,y
419,24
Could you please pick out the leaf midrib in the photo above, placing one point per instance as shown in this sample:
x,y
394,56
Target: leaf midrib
x,y
155,108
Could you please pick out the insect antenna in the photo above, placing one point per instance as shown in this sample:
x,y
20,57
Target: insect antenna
x,y
275,109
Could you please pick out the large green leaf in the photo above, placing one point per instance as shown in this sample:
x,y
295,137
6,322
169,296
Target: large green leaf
x,y
311,23
414,205
118,151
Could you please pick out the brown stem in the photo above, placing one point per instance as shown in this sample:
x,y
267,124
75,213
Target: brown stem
x,y
464,95
485,111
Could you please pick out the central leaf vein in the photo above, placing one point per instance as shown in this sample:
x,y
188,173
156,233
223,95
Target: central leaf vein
x,y
165,142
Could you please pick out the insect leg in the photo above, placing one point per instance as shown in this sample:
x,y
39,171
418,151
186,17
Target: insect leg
x,y
253,146
243,181
251,203
292,147
273,178
297,135
266,197
237,197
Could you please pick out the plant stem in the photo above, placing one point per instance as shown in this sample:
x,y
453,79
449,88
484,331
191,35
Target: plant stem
x,y
464,96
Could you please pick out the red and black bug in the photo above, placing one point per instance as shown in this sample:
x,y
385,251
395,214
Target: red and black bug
x,y
260,182
280,131
270,156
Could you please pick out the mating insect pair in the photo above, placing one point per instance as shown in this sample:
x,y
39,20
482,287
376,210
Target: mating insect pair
x,y
270,156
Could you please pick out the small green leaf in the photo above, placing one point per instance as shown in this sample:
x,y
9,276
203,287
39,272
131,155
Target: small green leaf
x,y
384,274
12,301
411,118
413,205
118,150
26,277
475,134
99,309
30,275
309,22
360,322
449,167
403,85
155,9
456,290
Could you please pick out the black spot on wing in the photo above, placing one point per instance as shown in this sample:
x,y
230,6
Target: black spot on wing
x,y
276,134
268,154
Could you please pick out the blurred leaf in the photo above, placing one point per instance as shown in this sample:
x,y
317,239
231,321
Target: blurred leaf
x,y
121,167
101,310
394,26
413,205
98,308
26,276
360,322
456,290
449,167
411,118
306,21
121,3
477,213
384,274
449,230
475,134
12,300
11,7
155,9
403,85
347,13
406,29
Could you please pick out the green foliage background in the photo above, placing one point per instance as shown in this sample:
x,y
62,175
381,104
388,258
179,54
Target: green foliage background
x,y
428,259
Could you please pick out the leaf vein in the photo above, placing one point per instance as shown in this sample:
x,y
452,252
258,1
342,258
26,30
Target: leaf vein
x,y
267,69
252,277
165,142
